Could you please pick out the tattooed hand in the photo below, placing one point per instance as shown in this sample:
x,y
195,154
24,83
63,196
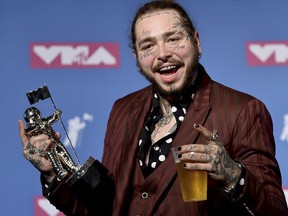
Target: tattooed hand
x,y
34,150
211,157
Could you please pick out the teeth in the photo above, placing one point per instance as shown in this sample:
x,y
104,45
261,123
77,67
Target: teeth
x,y
167,68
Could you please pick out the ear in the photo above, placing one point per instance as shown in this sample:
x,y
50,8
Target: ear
x,y
134,54
197,41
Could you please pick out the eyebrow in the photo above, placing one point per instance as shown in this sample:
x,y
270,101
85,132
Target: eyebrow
x,y
165,35
173,32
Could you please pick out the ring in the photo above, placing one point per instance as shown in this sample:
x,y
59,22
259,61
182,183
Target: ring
x,y
191,155
215,136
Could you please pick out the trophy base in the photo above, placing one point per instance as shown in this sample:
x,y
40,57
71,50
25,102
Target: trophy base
x,y
85,182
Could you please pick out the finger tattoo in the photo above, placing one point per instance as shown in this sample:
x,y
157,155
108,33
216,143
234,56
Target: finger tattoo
x,y
208,148
206,158
191,147
32,150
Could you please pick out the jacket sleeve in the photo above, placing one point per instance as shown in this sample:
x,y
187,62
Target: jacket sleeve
x,y
72,200
254,146
90,195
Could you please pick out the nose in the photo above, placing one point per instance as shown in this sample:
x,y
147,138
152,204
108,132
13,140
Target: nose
x,y
164,53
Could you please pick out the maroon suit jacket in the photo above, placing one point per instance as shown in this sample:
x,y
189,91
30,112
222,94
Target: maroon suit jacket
x,y
245,127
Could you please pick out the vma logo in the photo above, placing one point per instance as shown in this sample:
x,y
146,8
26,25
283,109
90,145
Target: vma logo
x,y
76,128
267,53
74,55
284,134
42,207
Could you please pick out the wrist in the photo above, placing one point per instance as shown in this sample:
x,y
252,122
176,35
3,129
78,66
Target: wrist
x,y
48,176
234,177
235,188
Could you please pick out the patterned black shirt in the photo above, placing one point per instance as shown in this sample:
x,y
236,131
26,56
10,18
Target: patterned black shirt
x,y
160,149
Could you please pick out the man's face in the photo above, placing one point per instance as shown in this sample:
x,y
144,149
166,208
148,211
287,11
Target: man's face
x,y
166,54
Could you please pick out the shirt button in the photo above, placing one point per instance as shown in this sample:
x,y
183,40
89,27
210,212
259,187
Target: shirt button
x,y
144,195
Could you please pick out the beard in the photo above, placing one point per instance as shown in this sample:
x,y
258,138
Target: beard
x,y
173,94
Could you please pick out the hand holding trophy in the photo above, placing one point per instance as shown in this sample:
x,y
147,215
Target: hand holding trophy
x,y
59,157
81,179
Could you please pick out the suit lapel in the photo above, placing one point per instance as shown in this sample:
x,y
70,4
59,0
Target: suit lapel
x,y
198,113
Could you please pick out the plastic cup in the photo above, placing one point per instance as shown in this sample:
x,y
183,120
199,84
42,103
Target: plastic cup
x,y
193,184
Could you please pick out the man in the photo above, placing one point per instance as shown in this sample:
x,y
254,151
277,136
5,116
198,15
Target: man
x,y
182,108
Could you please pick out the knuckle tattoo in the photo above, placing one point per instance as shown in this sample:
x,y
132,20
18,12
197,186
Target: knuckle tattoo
x,y
191,147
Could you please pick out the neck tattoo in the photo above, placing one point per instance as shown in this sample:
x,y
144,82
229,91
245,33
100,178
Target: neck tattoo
x,y
165,120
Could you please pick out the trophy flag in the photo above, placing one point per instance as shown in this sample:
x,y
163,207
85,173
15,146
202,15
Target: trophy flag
x,y
39,94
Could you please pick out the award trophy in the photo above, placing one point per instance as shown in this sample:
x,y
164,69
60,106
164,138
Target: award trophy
x,y
81,179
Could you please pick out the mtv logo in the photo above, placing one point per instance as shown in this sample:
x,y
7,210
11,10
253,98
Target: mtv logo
x,y
285,189
42,207
267,53
74,55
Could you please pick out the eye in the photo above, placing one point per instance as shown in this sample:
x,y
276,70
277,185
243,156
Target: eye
x,y
146,46
174,39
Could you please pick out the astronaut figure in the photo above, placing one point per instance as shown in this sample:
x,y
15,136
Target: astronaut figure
x,y
58,156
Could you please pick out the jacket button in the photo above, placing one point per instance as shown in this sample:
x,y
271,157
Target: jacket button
x,y
144,195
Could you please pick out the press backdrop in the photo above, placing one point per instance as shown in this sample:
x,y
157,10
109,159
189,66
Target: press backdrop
x,y
80,50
